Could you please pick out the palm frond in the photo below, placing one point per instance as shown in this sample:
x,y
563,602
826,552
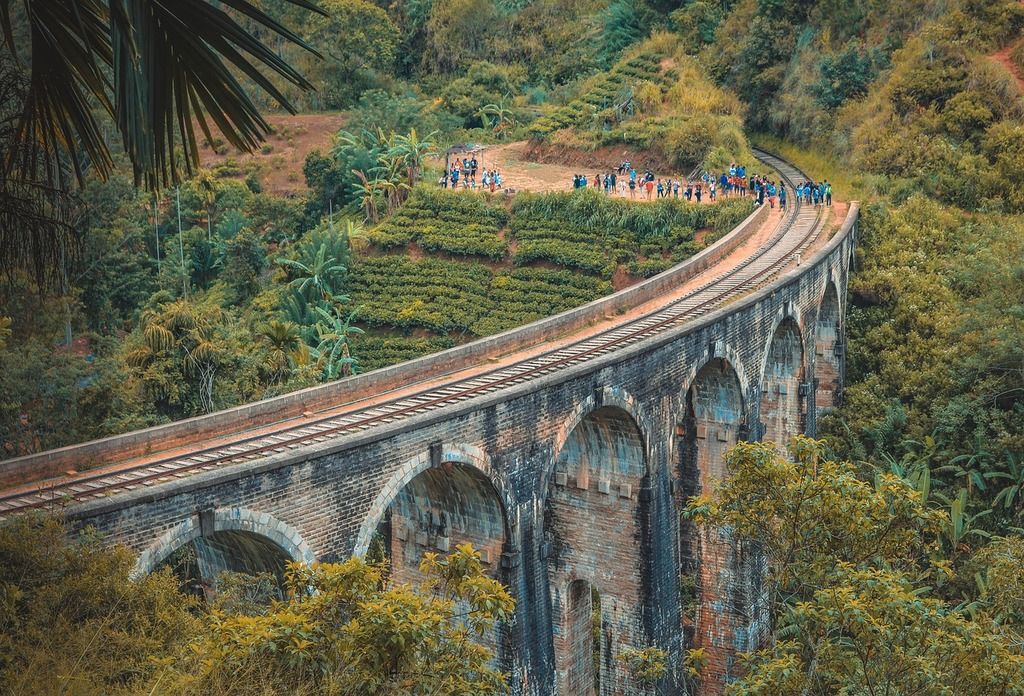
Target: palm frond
x,y
172,64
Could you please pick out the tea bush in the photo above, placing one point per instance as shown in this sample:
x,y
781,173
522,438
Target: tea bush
x,y
523,295
374,352
449,221
403,293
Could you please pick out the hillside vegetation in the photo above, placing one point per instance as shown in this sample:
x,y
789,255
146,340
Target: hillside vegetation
x,y
894,546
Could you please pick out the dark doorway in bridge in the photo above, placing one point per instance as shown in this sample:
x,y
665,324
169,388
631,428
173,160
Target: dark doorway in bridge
x,y
594,538
584,640
711,573
827,351
246,566
783,393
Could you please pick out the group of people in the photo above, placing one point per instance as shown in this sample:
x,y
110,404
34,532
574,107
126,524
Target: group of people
x,y
733,182
625,179
464,172
815,194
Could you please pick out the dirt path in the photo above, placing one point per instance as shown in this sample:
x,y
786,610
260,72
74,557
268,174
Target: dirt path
x,y
521,174
279,161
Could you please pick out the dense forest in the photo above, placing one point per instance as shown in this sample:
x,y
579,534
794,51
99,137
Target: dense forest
x,y
255,275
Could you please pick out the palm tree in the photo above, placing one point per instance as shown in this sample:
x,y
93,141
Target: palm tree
x,y
208,192
154,68
284,340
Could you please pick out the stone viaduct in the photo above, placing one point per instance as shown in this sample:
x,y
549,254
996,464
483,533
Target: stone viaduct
x,y
571,486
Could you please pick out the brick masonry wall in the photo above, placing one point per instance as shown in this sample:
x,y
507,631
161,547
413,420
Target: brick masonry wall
x,y
325,501
593,531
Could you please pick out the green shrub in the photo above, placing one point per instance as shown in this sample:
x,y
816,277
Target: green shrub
x,y
523,295
449,221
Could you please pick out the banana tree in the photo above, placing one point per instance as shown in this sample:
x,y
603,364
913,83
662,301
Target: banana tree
x,y
413,152
969,467
389,182
368,191
962,526
1012,495
332,351
498,118
317,274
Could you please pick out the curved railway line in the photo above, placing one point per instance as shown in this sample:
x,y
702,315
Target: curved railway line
x,y
798,229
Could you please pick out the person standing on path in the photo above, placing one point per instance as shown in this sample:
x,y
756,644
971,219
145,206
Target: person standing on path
x,y
782,197
828,193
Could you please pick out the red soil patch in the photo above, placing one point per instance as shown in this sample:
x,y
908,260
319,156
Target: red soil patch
x,y
1002,57
622,279
279,163
607,157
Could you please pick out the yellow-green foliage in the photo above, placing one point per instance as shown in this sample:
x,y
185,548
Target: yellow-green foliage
x,y
72,621
851,567
673,109
934,324
344,630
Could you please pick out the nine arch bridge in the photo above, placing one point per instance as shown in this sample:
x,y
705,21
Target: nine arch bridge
x,y
563,450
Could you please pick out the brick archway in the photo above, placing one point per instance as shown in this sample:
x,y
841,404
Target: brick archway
x,y
716,419
594,533
828,362
462,454
260,524
784,394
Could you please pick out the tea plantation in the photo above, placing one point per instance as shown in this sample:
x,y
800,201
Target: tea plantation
x,y
452,266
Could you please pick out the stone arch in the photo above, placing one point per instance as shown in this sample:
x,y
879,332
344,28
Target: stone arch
x,y
783,390
594,533
446,496
828,349
462,454
605,397
712,611
232,521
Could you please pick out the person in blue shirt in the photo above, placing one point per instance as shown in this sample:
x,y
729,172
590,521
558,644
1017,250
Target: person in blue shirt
x,y
782,196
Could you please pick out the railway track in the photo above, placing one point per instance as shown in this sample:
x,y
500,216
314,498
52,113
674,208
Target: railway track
x,y
793,235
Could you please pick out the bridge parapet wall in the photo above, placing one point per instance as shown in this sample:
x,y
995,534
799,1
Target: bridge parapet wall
x,y
139,443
